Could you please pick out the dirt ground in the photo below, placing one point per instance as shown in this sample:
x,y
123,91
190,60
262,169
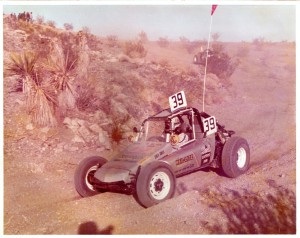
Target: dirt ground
x,y
40,198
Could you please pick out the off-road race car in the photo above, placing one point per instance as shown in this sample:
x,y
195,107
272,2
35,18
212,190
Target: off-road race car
x,y
218,63
172,143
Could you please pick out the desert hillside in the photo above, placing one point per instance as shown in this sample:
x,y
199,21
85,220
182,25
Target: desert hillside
x,y
69,95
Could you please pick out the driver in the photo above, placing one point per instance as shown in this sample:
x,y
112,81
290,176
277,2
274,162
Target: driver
x,y
180,137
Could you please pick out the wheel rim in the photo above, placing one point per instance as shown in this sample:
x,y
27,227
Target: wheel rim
x,y
160,185
241,157
89,177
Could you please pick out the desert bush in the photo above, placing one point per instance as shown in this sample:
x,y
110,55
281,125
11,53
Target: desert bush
x,y
25,26
86,30
68,26
249,213
87,98
94,43
163,42
49,32
117,132
143,37
40,19
135,49
112,40
51,23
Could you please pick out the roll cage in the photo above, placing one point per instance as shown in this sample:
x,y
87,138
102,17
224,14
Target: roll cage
x,y
195,120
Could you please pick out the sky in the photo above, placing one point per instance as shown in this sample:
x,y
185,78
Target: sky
x,y
234,23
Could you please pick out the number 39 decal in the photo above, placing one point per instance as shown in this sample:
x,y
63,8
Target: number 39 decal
x,y
210,125
177,100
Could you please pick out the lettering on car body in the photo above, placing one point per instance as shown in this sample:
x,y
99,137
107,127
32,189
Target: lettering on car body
x,y
185,159
159,154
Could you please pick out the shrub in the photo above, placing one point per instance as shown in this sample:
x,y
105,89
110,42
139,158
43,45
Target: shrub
x,y
40,19
51,23
143,37
117,133
87,99
112,40
68,26
135,49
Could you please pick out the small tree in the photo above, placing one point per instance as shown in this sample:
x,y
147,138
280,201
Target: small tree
x,y
112,40
135,49
68,26
51,23
143,37
40,19
86,30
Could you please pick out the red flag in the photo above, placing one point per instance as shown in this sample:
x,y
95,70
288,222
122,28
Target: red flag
x,y
213,8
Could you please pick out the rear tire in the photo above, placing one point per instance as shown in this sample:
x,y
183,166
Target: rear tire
x,y
84,174
235,157
156,183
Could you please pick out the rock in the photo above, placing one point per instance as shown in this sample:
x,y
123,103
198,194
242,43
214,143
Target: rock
x,y
95,128
45,129
103,139
78,139
29,127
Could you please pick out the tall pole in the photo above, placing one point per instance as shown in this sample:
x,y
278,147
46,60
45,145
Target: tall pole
x,y
205,69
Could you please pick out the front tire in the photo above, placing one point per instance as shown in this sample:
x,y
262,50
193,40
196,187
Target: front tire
x,y
156,183
235,157
84,175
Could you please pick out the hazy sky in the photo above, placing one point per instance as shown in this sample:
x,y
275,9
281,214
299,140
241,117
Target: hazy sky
x,y
232,22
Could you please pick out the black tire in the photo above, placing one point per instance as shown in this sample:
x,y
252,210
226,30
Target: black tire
x,y
155,183
235,157
84,173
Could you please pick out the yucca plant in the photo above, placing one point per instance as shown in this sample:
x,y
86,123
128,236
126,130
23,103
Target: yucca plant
x,y
43,102
23,65
39,94
63,77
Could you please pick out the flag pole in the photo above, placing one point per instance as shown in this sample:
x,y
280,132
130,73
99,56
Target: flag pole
x,y
205,69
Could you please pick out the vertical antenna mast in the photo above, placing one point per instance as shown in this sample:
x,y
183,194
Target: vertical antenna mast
x,y
213,8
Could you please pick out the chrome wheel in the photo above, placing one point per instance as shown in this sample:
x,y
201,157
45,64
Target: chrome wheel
x,y
241,157
89,177
160,185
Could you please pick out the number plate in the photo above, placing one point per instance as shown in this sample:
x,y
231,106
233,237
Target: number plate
x,y
177,101
210,125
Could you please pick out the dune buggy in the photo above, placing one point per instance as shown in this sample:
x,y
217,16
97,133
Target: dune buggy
x,y
174,142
